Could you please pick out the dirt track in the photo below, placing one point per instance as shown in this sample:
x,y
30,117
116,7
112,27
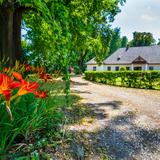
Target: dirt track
x,y
127,122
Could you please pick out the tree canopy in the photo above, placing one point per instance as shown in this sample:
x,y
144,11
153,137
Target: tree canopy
x,y
77,28
56,29
142,39
124,41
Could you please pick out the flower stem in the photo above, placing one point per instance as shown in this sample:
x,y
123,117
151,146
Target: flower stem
x,y
14,97
9,112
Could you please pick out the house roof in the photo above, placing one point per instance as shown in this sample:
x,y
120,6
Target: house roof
x,y
150,54
92,61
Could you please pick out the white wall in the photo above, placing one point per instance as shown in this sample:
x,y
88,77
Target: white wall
x,y
98,68
146,67
114,66
155,67
104,67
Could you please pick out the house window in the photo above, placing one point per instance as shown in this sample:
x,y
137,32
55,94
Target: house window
x,y
94,68
108,68
127,68
151,67
117,68
137,68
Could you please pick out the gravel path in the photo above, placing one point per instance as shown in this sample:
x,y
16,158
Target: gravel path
x,y
127,121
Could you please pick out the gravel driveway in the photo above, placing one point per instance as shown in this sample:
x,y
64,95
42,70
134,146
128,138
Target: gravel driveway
x,y
127,121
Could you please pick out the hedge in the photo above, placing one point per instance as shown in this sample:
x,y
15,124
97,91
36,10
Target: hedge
x,y
135,79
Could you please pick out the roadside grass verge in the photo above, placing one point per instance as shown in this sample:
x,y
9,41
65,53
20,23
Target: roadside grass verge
x,y
36,130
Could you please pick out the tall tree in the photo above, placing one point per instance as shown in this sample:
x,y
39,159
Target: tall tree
x,y
89,14
124,41
116,40
142,39
84,27
10,25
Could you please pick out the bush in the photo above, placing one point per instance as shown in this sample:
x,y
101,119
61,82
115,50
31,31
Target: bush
x,y
135,79
123,68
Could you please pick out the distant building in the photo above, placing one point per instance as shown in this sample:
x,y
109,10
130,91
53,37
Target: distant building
x,y
133,58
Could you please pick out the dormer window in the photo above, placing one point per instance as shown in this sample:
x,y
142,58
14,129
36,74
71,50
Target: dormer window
x,y
118,58
139,60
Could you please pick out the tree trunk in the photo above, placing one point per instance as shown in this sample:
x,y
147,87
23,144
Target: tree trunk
x,y
17,18
81,60
6,36
10,33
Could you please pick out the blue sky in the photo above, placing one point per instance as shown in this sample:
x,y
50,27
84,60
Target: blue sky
x,y
139,15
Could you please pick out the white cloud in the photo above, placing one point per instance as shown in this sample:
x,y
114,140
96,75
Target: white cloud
x,y
139,15
149,8
148,17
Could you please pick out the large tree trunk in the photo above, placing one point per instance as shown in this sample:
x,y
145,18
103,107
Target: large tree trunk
x,y
10,33
6,36
17,18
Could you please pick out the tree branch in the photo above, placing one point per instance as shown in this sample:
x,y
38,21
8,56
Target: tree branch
x,y
24,9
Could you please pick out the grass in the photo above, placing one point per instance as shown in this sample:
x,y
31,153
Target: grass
x,y
37,126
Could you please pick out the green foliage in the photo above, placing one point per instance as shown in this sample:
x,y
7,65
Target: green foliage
x,y
135,79
116,40
39,136
123,68
49,41
124,42
158,42
31,115
142,39
77,26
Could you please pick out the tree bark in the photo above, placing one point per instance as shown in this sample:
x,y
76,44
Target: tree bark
x,y
17,18
81,60
6,36
10,33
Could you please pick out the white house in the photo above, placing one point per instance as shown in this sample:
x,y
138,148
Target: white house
x,y
133,58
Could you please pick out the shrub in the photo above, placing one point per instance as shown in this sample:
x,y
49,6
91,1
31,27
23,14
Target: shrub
x,y
123,68
135,79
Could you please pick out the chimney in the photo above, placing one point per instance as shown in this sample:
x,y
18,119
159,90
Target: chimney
x,y
118,58
127,47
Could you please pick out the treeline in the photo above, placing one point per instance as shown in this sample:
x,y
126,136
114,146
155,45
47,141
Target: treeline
x,y
139,39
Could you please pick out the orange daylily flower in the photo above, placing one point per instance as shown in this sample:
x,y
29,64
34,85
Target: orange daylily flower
x,y
38,69
5,70
28,68
41,94
6,86
27,87
45,76
17,75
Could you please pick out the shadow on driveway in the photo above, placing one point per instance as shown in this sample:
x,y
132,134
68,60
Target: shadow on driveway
x,y
112,104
